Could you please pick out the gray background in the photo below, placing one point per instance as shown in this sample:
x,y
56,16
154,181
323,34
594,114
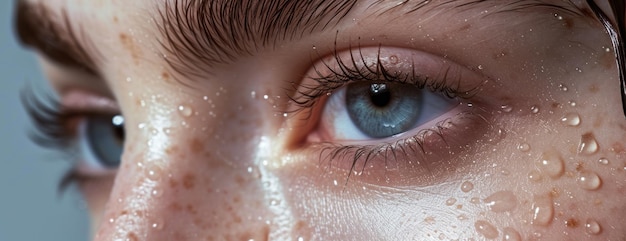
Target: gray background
x,y
30,207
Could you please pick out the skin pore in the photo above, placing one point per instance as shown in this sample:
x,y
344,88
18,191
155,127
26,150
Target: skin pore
x,y
230,134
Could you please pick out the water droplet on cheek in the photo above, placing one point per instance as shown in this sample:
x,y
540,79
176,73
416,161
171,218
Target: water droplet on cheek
x,y
501,201
510,234
542,210
451,201
185,111
506,108
551,164
523,147
158,224
589,181
603,161
571,119
588,144
563,87
467,186
592,226
534,176
486,229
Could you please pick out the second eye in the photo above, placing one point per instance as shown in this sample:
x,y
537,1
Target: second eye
x,y
366,110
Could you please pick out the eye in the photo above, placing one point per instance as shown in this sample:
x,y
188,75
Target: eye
x,y
366,110
101,143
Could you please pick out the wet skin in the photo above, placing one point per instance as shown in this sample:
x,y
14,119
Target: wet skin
x,y
533,150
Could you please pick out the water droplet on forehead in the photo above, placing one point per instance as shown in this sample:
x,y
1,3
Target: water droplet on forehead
x,y
588,144
157,224
467,186
534,176
571,119
563,87
501,201
589,180
185,111
154,172
486,229
572,103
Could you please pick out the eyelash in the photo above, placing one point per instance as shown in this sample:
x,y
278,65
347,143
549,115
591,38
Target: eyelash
x,y
347,72
51,128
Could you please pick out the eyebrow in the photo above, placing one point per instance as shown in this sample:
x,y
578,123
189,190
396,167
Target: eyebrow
x,y
53,35
198,34
220,31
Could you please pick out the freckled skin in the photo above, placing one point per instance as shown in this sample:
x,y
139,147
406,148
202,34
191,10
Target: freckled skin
x,y
224,171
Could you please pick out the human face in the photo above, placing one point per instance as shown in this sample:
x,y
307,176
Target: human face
x,y
336,120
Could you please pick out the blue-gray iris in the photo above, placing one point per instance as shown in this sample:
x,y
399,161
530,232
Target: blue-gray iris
x,y
382,110
106,140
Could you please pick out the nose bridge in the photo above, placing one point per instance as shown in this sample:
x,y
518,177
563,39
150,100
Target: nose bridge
x,y
200,181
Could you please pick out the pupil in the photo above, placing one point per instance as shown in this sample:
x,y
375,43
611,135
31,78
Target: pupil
x,y
380,95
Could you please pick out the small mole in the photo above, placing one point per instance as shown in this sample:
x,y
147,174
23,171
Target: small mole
x,y
165,75
189,181
175,207
568,23
594,88
115,20
465,27
579,166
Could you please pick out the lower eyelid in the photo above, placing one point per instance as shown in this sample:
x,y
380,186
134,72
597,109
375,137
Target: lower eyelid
x,y
416,159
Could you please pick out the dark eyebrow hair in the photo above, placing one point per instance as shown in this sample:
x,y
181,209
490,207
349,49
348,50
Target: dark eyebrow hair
x,y
219,31
202,33
54,36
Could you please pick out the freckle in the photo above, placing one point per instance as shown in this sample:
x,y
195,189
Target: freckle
x,y
124,212
165,75
115,19
189,181
132,237
465,27
175,207
173,183
571,223
594,88
196,146
191,209
568,23
240,180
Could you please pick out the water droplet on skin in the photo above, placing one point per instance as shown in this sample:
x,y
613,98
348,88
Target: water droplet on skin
x,y
154,173
534,109
523,147
501,201
480,66
506,108
167,131
462,217
451,201
111,220
542,210
265,97
571,119
592,226
589,181
603,161
486,229
579,70
475,200
588,144
563,87
156,192
510,234
572,103
185,110
393,59
274,202
551,164
467,186
534,176
141,125
157,224
607,49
